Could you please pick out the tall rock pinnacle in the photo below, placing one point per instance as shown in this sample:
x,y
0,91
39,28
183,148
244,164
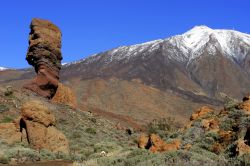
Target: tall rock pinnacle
x,y
44,54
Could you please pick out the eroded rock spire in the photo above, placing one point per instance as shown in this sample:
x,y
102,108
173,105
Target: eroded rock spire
x,y
44,54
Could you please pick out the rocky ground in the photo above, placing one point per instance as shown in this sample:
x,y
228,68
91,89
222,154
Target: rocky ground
x,y
212,137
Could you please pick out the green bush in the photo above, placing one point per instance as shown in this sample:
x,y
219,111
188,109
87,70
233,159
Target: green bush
x,y
163,127
213,135
76,135
244,159
227,124
91,130
4,160
244,122
230,151
47,155
18,152
9,91
235,113
3,108
75,157
193,134
230,103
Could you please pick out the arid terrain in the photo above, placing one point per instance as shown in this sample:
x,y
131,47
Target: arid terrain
x,y
176,101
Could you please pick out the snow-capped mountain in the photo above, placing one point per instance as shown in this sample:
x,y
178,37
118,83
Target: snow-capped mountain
x,y
193,42
200,63
186,47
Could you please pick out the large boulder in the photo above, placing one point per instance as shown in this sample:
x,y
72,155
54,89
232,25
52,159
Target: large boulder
x,y
39,124
36,127
158,145
154,143
143,141
36,111
211,124
44,54
201,112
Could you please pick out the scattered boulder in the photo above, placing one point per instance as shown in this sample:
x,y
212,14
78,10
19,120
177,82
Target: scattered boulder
x,y
64,95
226,132
158,145
143,141
245,106
201,112
44,54
154,143
210,124
242,147
229,128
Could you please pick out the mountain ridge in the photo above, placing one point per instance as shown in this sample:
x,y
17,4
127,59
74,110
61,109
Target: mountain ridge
x,y
174,53
188,44
120,81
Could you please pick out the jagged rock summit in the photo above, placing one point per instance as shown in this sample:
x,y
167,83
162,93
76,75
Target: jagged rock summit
x,y
44,54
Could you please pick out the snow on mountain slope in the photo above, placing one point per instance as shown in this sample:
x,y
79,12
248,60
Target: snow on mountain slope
x,y
192,42
184,48
3,68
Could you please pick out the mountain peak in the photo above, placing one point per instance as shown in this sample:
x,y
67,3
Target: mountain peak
x,y
185,47
193,42
200,28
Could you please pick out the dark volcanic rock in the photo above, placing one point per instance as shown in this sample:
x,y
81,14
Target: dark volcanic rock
x,y
44,54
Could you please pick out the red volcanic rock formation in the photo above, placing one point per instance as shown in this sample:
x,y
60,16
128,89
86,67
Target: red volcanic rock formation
x,y
201,112
44,54
36,127
38,122
64,95
155,144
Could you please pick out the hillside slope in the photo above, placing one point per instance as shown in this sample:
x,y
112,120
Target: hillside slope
x,y
158,78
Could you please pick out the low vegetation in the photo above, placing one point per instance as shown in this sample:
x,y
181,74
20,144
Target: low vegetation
x,y
96,141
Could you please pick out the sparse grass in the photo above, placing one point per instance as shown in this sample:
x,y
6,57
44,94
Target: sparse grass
x,y
89,135
3,108
6,119
47,155
163,127
226,124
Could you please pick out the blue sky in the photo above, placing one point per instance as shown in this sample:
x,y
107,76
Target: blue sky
x,y
92,26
